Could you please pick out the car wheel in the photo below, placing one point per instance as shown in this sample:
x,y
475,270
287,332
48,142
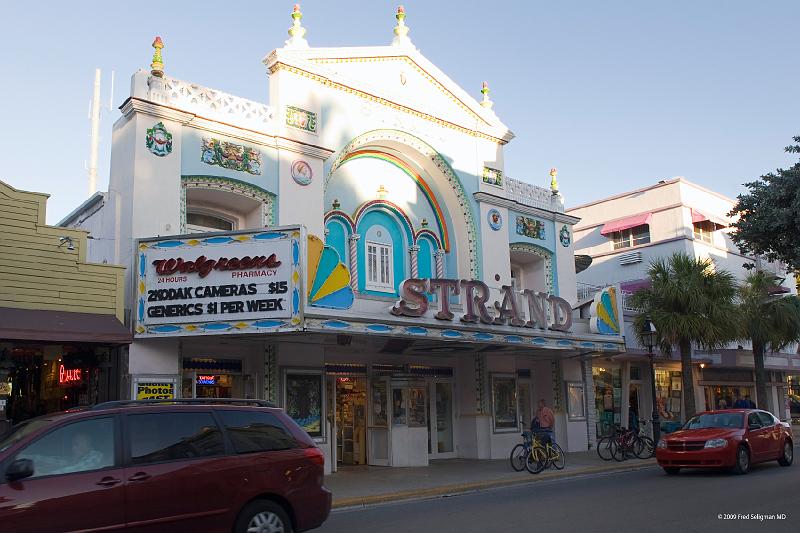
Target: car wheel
x,y
672,470
788,454
742,460
263,516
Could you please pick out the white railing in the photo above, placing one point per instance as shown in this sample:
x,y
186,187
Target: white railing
x,y
587,291
531,195
217,105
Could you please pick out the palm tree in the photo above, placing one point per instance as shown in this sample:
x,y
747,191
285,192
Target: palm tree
x,y
767,320
689,302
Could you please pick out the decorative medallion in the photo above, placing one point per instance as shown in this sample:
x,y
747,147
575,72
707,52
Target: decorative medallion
x,y
158,140
492,176
301,119
495,219
231,156
302,173
530,227
563,236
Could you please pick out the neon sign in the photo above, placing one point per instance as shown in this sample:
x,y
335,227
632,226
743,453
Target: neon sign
x,y
69,376
206,380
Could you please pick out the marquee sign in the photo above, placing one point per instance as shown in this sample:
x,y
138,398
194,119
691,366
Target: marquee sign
x,y
230,282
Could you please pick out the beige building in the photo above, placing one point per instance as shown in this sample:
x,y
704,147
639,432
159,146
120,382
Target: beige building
x,y
61,318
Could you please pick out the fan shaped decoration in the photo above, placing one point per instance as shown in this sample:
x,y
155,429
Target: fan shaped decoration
x,y
328,278
603,312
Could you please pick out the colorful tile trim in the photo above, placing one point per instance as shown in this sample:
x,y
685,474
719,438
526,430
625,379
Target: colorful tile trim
x,y
231,156
530,227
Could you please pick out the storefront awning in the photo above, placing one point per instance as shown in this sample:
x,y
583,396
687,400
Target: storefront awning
x,y
697,216
61,326
626,223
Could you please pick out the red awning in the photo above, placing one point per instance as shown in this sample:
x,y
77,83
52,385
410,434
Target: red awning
x,y
697,216
61,326
626,223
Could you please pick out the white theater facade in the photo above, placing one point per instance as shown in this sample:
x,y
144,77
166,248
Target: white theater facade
x,y
352,251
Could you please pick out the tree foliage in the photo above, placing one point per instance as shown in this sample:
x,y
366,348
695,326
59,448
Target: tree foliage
x,y
690,303
769,215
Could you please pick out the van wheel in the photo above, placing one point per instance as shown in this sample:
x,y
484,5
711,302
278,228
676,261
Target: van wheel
x,y
788,454
263,516
742,460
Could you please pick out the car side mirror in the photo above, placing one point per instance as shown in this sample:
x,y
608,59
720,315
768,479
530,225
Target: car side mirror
x,y
19,469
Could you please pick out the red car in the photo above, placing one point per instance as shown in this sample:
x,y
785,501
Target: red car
x,y
200,465
730,438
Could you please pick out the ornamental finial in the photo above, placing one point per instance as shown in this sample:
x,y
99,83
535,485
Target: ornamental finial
x,y
485,92
553,180
157,66
297,33
401,30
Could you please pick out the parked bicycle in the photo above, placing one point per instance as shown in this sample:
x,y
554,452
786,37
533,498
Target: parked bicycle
x,y
625,443
544,454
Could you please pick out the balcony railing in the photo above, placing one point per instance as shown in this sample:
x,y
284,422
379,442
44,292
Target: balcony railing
x,y
532,195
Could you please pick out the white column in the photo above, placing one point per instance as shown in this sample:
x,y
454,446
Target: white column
x,y
353,241
439,256
413,251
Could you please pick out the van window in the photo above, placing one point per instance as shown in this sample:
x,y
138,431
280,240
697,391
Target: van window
x,y
159,437
78,447
254,431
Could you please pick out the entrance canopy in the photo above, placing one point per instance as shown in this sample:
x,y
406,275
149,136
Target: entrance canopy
x,y
61,326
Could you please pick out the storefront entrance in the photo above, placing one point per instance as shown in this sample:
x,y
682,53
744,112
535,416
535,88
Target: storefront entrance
x,y
351,427
212,378
440,420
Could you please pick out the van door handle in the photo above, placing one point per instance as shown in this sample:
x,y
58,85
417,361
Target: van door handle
x,y
108,481
139,476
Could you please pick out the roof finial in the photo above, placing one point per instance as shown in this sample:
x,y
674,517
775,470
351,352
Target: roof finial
x,y
553,180
401,30
485,92
297,33
157,65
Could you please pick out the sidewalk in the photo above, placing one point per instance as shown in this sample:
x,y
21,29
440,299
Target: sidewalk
x,y
366,485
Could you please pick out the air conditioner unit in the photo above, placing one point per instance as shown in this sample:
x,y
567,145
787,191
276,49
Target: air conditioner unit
x,y
630,258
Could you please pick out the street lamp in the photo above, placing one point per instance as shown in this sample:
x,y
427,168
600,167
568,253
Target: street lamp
x,y
648,336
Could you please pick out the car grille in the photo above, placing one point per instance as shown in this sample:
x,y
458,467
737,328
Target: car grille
x,y
686,446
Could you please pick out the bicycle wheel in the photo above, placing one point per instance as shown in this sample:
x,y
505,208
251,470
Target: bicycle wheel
x,y
605,448
620,450
557,457
518,456
536,461
648,448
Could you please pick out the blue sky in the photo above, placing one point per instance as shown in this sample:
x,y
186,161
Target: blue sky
x,y
616,94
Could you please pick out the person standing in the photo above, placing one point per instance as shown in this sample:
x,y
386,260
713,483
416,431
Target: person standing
x,y
547,420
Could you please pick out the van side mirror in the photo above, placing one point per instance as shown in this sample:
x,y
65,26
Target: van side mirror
x,y
19,469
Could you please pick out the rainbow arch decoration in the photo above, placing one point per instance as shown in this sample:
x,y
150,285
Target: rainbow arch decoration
x,y
441,222
328,283
604,313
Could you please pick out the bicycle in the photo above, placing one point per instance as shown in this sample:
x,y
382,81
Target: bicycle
x,y
648,449
520,452
545,455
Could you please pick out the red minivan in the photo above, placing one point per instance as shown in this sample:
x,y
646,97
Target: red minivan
x,y
203,465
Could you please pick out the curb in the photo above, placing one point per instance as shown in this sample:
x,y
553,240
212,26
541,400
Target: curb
x,y
460,488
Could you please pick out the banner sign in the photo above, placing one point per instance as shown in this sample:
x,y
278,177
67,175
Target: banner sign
x,y
229,282
150,390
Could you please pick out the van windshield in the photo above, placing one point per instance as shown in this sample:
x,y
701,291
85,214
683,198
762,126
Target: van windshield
x,y
20,431
715,420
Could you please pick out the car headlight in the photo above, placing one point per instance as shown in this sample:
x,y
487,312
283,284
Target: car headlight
x,y
662,443
716,443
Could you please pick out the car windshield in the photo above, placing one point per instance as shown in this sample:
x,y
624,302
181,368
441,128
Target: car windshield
x,y
20,431
715,420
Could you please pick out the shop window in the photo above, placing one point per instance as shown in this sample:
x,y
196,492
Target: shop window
x,y
399,406
636,373
379,266
504,402
252,431
80,447
669,397
631,237
417,411
576,401
304,401
608,398
205,222
704,231
725,396
524,400
160,437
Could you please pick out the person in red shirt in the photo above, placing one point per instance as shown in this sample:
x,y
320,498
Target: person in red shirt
x,y
547,420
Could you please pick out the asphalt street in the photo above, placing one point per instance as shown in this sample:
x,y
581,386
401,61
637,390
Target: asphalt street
x,y
646,500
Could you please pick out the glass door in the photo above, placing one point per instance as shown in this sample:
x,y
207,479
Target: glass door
x,y
378,430
441,420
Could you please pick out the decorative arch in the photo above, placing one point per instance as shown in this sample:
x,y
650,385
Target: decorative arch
x,y
432,235
219,183
545,254
371,137
392,208
341,216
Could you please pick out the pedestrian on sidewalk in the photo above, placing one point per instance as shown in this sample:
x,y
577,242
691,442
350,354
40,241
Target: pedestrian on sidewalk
x,y
546,420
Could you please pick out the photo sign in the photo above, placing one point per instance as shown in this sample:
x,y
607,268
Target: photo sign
x,y
223,281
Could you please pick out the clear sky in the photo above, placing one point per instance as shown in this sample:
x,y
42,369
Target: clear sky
x,y
616,94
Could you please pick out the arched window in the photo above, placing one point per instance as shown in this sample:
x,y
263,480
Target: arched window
x,y
380,258
207,221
